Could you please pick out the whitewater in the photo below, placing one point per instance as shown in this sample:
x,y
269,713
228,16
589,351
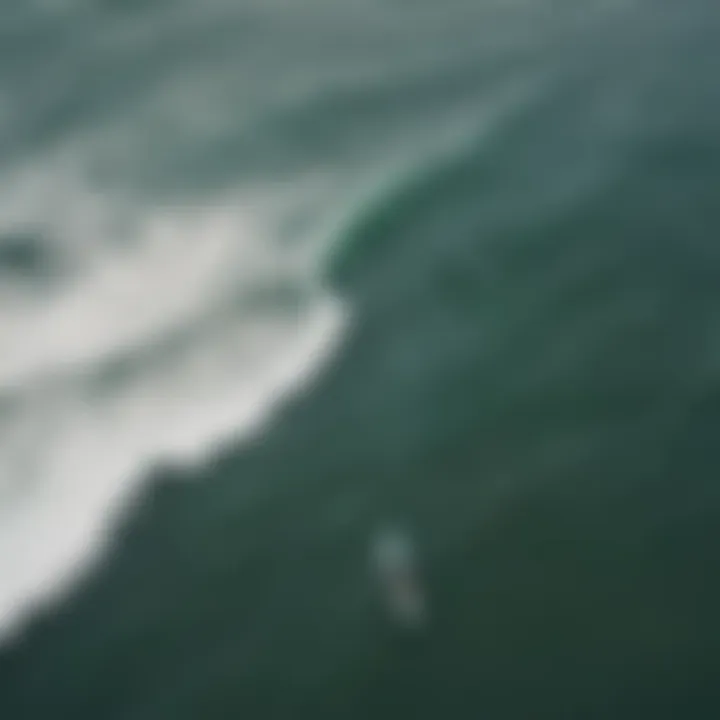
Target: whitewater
x,y
143,348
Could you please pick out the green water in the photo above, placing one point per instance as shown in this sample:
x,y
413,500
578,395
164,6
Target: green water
x,y
530,381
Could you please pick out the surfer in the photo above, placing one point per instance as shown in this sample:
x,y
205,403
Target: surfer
x,y
395,564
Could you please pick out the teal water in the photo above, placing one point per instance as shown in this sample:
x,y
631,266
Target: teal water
x,y
274,276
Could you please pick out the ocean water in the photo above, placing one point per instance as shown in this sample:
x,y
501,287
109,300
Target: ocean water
x,y
275,276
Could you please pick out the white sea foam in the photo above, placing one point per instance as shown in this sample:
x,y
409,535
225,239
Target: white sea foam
x,y
165,294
